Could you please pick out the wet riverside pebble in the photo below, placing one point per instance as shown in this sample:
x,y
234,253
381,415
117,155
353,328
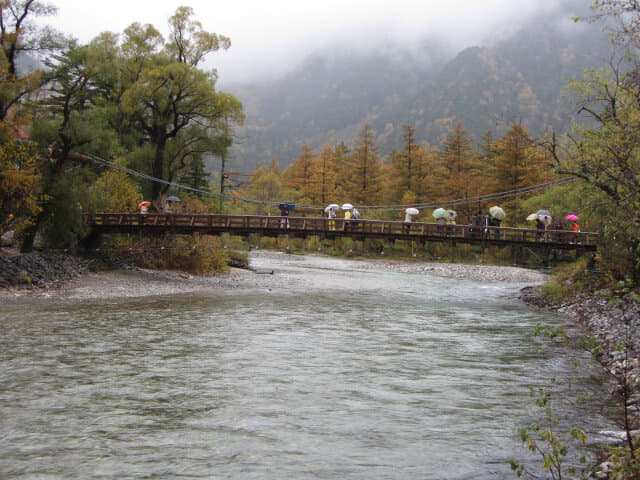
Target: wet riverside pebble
x,y
68,277
484,273
45,270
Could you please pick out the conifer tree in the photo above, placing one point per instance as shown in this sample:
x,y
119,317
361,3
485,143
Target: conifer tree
x,y
297,176
324,177
196,177
460,171
412,169
364,184
516,162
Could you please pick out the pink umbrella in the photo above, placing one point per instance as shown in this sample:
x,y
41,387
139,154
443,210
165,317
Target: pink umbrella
x,y
572,217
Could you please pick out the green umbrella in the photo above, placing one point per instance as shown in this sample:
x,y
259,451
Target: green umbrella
x,y
497,212
440,213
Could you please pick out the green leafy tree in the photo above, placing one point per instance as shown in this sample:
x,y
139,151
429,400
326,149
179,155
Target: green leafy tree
x,y
267,186
604,153
19,184
140,98
172,103
20,38
114,192
75,116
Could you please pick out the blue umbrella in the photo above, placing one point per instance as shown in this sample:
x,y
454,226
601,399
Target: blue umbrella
x,y
288,206
173,198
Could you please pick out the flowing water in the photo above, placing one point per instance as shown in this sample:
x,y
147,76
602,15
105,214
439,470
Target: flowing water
x,y
337,372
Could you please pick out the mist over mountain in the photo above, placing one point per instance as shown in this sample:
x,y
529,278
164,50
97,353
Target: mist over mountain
x,y
520,74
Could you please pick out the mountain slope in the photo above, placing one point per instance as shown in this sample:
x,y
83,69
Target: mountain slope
x,y
520,79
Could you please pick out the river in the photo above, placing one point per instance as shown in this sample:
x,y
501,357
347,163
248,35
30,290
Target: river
x,y
336,372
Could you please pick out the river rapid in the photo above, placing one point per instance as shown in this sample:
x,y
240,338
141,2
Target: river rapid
x,y
328,369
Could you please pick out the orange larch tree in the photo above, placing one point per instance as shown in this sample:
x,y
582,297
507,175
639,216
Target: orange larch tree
x,y
460,172
517,161
364,180
324,187
297,176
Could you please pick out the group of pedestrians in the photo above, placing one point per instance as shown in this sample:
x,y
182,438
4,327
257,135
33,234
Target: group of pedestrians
x,y
549,230
351,213
482,223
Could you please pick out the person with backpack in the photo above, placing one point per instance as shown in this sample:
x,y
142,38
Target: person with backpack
x,y
355,215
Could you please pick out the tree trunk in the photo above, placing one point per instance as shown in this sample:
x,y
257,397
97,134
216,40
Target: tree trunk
x,y
158,164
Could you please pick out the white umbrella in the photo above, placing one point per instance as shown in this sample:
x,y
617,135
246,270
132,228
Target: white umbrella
x,y
333,206
497,212
347,206
440,213
412,211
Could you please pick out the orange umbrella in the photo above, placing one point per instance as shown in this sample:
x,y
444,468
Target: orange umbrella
x,y
144,204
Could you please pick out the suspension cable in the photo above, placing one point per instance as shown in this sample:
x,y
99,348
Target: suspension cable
x,y
454,202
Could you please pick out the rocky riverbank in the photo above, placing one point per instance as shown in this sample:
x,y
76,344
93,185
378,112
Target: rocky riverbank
x,y
69,277
614,326
42,270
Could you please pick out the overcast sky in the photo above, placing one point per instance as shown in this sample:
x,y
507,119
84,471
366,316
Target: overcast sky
x,y
272,36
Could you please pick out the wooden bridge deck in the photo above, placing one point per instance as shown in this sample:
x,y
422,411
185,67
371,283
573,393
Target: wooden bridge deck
x,y
243,225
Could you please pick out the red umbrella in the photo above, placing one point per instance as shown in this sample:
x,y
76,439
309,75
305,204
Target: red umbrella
x,y
144,204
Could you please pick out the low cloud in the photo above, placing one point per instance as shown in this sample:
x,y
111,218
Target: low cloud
x,y
272,37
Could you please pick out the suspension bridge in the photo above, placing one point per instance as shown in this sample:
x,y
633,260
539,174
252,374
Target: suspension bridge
x,y
325,228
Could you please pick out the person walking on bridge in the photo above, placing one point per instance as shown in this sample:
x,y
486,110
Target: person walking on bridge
x,y
355,215
331,215
540,229
347,220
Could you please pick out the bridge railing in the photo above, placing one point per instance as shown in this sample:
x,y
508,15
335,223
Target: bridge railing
x,y
323,225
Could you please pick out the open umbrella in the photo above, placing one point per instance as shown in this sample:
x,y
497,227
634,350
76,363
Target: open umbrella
x,y
412,211
533,216
173,198
497,213
543,213
572,217
144,204
440,213
347,206
333,206
452,212
287,206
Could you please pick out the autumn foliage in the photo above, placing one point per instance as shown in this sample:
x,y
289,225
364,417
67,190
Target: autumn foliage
x,y
454,175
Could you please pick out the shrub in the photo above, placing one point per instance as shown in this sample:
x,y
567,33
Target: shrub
x,y
194,254
22,278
